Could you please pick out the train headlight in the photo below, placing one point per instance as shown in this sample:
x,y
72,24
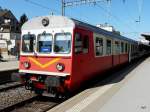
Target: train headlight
x,y
60,67
26,64
45,22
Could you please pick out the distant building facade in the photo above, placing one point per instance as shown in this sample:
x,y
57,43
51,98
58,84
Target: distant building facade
x,y
9,33
108,27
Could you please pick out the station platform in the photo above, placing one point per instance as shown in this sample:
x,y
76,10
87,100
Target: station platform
x,y
127,93
9,65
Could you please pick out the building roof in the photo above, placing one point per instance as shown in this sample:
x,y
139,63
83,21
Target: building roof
x,y
3,12
8,21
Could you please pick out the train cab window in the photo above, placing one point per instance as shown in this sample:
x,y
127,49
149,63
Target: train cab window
x,y
122,47
85,44
28,43
44,43
62,43
99,46
108,47
78,43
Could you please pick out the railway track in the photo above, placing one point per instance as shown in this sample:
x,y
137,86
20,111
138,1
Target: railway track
x,y
9,85
14,98
33,104
37,104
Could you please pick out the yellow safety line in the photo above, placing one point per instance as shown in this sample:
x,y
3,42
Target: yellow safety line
x,y
44,65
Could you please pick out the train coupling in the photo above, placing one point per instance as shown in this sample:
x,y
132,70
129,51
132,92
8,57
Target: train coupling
x,y
53,81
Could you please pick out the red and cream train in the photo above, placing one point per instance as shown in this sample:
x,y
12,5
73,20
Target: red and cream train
x,y
58,54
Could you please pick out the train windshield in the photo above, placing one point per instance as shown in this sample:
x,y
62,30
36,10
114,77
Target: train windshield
x,y
62,43
45,43
28,43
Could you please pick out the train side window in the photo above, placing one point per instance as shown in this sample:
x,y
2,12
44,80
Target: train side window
x,y
122,47
99,46
78,43
126,47
108,47
117,47
132,48
85,44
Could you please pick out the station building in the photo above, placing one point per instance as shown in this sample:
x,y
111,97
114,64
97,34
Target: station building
x,y
9,33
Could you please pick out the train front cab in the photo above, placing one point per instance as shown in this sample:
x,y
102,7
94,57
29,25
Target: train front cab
x,y
46,60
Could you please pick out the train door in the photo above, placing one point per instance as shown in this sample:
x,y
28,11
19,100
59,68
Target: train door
x,y
81,53
108,51
116,52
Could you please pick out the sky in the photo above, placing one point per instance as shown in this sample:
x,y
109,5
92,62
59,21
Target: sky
x,y
121,15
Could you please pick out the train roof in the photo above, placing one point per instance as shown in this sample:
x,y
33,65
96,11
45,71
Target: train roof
x,y
61,22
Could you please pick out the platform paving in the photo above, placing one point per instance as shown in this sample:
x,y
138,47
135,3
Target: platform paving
x,y
130,94
134,96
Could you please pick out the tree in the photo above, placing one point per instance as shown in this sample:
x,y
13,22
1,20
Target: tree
x,y
23,19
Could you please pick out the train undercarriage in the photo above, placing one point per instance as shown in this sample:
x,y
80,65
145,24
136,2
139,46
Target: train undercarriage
x,y
54,85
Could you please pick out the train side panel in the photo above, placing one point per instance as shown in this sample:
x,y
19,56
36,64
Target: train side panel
x,y
87,65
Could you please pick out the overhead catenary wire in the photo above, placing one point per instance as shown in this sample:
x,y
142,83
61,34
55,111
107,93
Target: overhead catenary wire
x,y
41,6
105,10
140,7
115,17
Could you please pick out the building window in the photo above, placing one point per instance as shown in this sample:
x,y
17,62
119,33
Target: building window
x,y
99,46
108,47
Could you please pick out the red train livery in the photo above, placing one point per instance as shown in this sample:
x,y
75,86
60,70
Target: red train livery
x,y
58,54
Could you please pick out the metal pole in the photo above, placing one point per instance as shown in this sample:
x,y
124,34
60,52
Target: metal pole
x,y
63,7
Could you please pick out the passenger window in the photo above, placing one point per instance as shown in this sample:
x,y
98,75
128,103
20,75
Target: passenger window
x,y
126,47
108,47
117,47
78,43
122,47
85,44
132,48
99,46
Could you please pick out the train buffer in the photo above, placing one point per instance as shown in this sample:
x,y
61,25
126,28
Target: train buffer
x,y
128,94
